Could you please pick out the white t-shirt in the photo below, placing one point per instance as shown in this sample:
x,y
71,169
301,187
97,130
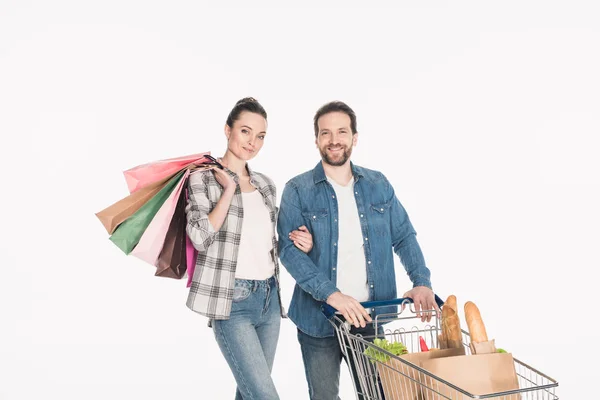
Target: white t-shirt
x,y
351,264
254,254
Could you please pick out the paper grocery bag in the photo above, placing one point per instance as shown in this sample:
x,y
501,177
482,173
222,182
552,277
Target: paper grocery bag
x,y
476,374
483,347
401,381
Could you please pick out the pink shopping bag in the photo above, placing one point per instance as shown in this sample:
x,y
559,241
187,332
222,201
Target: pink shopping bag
x,y
145,174
153,238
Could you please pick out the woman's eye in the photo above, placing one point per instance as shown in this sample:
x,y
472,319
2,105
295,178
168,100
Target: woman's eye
x,y
261,137
245,131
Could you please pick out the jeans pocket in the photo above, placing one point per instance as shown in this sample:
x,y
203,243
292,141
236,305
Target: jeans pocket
x,y
241,291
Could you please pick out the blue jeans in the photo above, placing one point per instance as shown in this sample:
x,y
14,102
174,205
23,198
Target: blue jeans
x,y
248,339
322,359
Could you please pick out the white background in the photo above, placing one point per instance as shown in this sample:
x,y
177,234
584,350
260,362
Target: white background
x,y
484,116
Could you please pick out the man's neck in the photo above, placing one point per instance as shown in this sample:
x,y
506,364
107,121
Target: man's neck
x,y
341,175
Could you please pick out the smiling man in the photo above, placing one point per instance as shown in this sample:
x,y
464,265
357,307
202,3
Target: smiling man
x,y
357,223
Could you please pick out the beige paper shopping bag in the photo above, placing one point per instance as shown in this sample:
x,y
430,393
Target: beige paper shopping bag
x,y
118,212
476,374
401,381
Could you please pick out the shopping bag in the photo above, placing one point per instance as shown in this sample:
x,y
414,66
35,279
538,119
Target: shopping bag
x,y
153,238
401,381
118,212
191,256
128,233
191,252
478,374
143,175
171,262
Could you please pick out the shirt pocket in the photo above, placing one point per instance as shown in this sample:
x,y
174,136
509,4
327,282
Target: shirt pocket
x,y
317,222
380,219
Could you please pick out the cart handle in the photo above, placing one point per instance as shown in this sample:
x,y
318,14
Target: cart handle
x,y
329,311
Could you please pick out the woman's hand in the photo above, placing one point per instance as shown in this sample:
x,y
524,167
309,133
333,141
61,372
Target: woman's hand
x,y
302,239
224,179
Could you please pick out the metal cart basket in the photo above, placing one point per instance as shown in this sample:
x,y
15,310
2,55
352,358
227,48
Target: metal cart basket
x,y
392,377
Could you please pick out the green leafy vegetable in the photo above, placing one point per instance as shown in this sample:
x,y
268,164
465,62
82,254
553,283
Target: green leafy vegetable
x,y
396,348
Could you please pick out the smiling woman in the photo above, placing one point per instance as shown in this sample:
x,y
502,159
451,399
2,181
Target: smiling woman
x,y
231,219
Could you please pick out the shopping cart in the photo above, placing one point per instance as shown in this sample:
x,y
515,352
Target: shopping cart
x,y
393,377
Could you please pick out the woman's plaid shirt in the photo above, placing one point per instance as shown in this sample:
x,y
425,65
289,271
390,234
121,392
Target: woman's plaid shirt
x,y
211,291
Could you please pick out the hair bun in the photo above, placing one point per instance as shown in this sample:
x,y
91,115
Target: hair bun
x,y
246,100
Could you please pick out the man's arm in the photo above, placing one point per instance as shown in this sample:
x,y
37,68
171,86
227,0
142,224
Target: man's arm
x,y
297,263
404,241
302,268
406,246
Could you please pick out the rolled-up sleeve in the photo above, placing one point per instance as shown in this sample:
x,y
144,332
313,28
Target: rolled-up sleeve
x,y
199,229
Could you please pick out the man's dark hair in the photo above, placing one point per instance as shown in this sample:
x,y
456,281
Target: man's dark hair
x,y
335,106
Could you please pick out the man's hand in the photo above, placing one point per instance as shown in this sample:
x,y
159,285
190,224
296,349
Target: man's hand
x,y
350,308
424,300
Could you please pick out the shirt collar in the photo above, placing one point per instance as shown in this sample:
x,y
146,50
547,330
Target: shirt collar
x,y
319,172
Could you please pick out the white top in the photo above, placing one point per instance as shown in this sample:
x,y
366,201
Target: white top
x,y
254,259
351,263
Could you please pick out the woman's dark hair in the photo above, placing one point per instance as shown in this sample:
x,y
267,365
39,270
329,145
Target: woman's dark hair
x,y
335,106
249,104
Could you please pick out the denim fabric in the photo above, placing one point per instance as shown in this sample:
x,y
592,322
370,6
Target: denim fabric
x,y
248,339
322,360
309,199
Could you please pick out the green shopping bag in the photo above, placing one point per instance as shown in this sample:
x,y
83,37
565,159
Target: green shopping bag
x,y
128,233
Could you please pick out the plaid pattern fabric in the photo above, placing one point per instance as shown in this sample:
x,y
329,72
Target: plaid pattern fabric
x,y
211,290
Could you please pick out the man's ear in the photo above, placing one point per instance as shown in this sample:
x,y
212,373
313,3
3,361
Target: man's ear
x,y
354,139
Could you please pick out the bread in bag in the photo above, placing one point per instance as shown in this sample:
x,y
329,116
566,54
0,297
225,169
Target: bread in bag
x,y
475,323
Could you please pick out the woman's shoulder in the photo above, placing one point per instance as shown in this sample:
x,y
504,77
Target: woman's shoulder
x,y
200,175
263,179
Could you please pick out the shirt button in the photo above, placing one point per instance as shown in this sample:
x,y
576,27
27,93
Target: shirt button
x,y
366,238
314,217
382,209
361,215
333,268
335,220
369,262
355,192
335,244
333,197
371,285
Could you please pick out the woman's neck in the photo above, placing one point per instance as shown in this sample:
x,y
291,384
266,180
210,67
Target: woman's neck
x,y
234,164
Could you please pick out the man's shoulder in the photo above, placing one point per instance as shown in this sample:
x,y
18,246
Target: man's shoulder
x,y
302,180
372,175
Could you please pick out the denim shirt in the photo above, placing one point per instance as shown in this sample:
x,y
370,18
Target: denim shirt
x,y
309,199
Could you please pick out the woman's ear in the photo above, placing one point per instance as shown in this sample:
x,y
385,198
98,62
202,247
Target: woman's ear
x,y
227,130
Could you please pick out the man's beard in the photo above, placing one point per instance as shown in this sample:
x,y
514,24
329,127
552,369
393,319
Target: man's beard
x,y
341,161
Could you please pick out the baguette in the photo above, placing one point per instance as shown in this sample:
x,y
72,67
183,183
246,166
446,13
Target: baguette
x,y
451,302
475,323
451,328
